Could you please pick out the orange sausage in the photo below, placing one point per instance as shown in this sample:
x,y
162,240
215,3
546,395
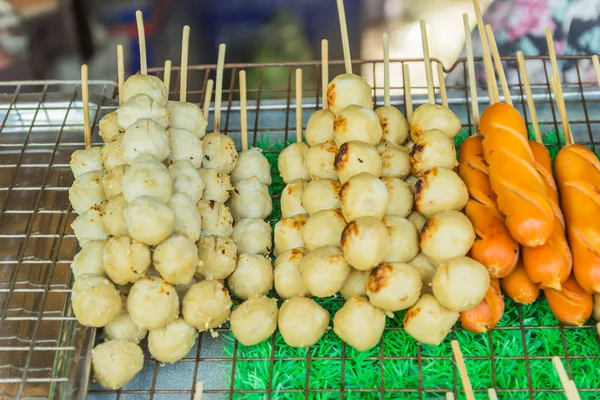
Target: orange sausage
x,y
520,190
486,314
493,247
577,172
519,287
571,305
550,264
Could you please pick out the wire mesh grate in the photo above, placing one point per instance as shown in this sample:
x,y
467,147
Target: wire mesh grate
x,y
44,352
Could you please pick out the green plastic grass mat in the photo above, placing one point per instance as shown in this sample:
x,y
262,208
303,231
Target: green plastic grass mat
x,y
514,358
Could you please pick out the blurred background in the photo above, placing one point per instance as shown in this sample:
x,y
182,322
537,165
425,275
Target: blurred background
x,y
49,39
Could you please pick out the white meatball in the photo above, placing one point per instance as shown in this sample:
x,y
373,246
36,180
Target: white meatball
x,y
319,128
447,235
206,305
255,320
217,183
112,153
324,271
216,218
123,328
320,161
356,284
86,160
253,276
219,152
323,229
95,301
322,194
394,125
365,243
109,127
426,269
116,362
146,84
400,197
363,195
142,106
172,342
89,259
218,257
428,321
394,286
187,180
149,221
346,89
355,157
252,163
185,146
417,219
291,198
145,137
112,181
188,116
432,149
404,239
152,303
356,123
288,233
250,199
395,160
176,259
89,226
460,283
286,274
440,189
302,322
147,177
359,323
114,216
87,191
291,163
252,236
125,260
187,217
433,116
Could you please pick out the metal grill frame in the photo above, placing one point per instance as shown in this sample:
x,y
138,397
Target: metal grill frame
x,y
42,244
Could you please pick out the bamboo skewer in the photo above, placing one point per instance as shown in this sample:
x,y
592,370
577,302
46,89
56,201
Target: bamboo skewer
x,y
120,73
167,77
299,105
219,87
462,370
407,94
562,110
487,61
139,18
345,41
567,384
553,60
449,396
243,115
386,71
208,97
492,394
85,99
324,71
443,93
596,64
499,66
185,47
471,70
428,69
530,103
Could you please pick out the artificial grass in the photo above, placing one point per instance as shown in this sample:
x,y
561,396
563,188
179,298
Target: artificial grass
x,y
409,366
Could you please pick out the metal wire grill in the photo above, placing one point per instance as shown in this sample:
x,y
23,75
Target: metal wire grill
x,y
44,353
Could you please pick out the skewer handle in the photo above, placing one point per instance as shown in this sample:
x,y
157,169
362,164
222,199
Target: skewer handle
x,y
407,93
299,105
487,62
120,72
208,97
530,103
185,46
441,78
428,69
386,71
471,70
219,87
324,71
167,77
499,66
139,18
596,67
85,99
243,115
462,370
345,41
492,394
